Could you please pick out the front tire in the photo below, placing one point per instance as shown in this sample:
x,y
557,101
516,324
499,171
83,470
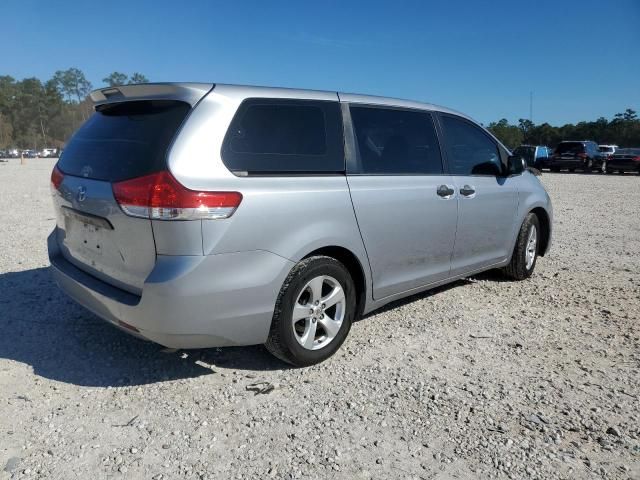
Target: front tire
x,y
525,253
313,312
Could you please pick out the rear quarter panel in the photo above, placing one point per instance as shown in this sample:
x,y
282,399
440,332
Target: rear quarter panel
x,y
531,195
290,216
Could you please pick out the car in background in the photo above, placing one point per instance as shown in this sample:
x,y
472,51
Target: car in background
x,y
13,153
29,153
606,151
624,160
49,152
4,156
536,156
575,155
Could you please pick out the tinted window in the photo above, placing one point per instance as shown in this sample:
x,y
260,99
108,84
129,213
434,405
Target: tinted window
x,y
470,150
124,140
606,149
628,151
275,135
395,141
527,153
570,147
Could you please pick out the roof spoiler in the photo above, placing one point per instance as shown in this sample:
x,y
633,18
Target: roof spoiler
x,y
190,93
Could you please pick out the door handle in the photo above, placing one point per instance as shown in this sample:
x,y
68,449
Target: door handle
x,y
445,191
467,191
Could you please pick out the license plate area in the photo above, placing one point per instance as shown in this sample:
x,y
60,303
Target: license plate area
x,y
86,218
86,235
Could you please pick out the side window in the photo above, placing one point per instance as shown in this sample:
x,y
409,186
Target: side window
x,y
285,136
470,150
394,141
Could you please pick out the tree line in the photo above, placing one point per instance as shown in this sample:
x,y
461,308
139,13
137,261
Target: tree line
x,y
622,130
36,115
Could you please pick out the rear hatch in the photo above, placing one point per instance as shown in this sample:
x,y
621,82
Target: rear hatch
x,y
120,141
569,151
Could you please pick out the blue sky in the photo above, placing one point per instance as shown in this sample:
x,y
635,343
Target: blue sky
x,y
581,58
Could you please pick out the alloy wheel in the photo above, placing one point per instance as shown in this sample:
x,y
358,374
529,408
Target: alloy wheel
x,y
531,250
318,312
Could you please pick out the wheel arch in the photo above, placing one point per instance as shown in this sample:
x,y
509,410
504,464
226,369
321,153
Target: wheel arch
x,y
545,229
354,265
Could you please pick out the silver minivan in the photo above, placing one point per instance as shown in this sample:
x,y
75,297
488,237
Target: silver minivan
x,y
201,215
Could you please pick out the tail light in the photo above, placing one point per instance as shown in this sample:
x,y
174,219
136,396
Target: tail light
x,y
159,196
636,159
582,155
56,178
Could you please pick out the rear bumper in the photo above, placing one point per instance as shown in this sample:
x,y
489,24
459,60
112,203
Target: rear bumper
x,y
626,165
187,301
565,164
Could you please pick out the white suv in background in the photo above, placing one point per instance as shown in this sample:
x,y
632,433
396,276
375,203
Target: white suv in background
x,y
606,152
49,152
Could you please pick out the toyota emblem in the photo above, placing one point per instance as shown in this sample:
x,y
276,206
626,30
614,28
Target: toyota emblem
x,y
82,193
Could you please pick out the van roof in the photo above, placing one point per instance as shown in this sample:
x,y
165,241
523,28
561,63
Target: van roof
x,y
192,92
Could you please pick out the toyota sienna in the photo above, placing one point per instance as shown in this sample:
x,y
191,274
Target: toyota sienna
x,y
201,215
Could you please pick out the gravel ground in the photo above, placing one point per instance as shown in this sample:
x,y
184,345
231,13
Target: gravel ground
x,y
481,379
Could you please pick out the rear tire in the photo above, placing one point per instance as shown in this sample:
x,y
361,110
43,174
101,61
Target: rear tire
x,y
307,326
525,253
588,168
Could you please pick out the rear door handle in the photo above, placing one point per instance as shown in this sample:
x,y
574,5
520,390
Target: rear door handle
x,y
445,191
467,191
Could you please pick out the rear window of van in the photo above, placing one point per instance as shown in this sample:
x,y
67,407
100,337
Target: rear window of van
x,y
124,140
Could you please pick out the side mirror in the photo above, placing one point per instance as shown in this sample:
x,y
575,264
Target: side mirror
x,y
517,164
